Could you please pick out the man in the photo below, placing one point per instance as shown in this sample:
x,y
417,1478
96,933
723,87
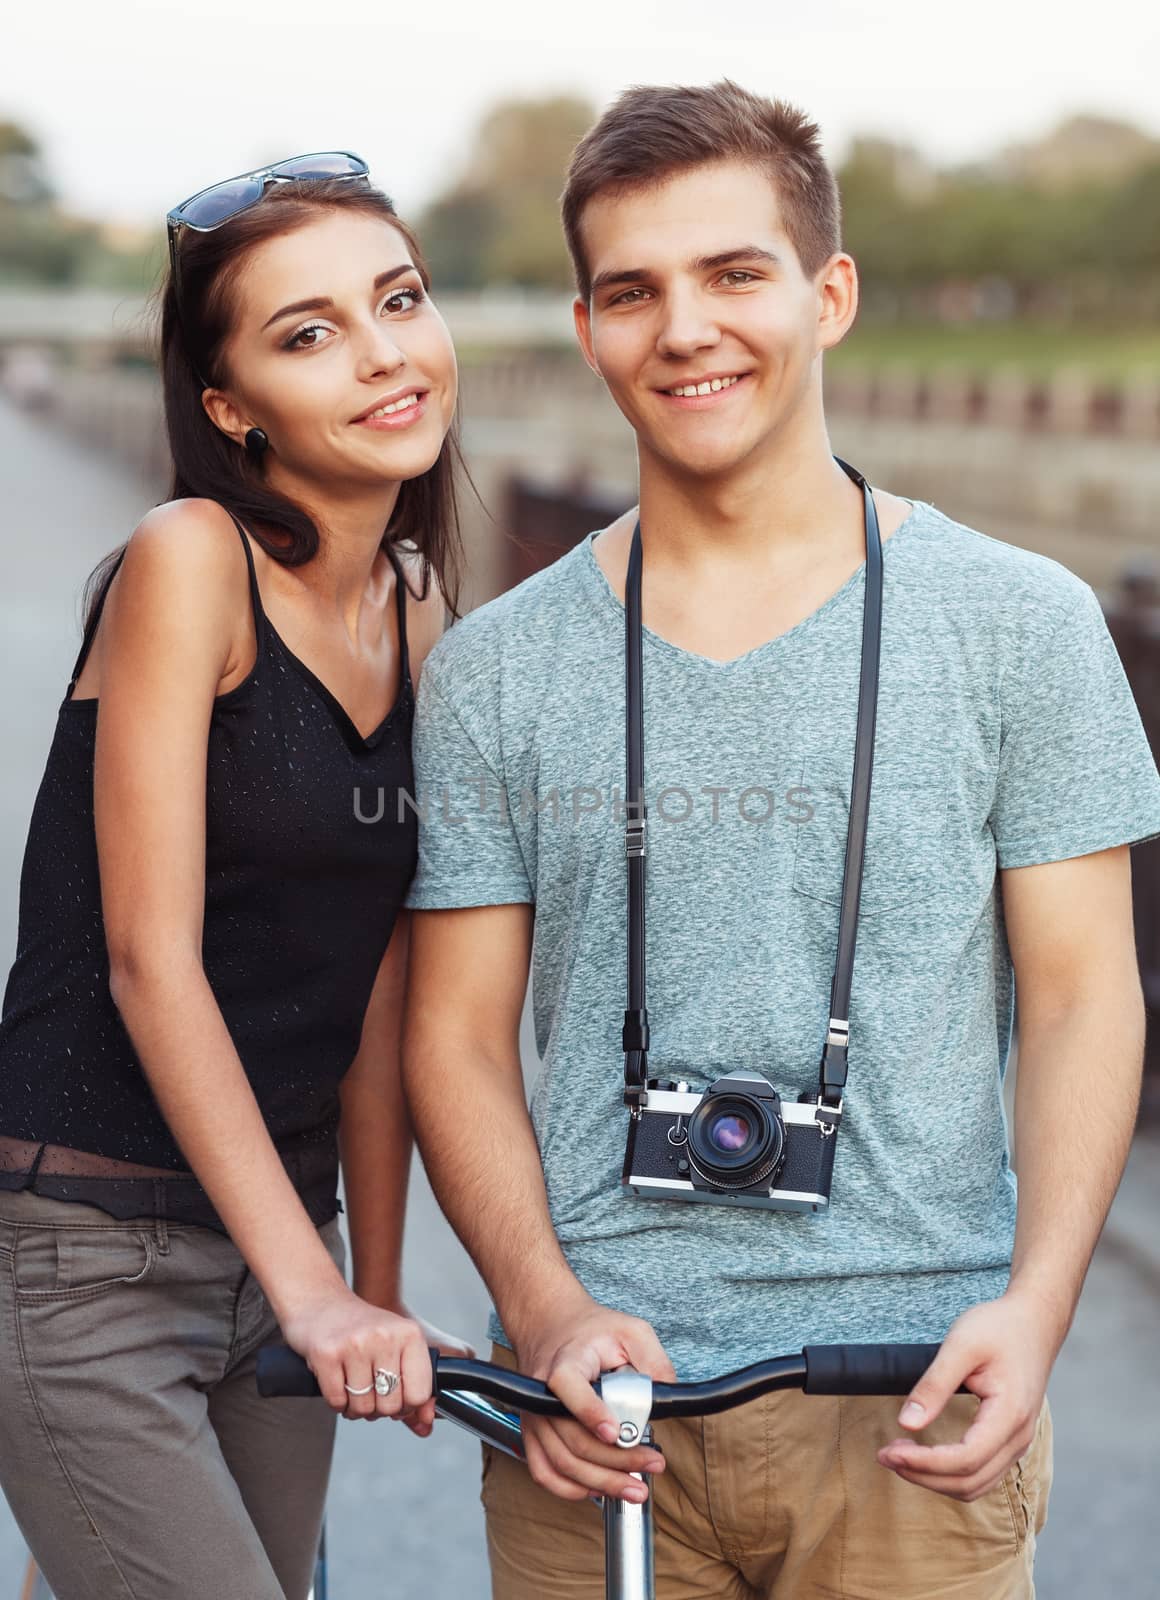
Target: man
x,y
1010,774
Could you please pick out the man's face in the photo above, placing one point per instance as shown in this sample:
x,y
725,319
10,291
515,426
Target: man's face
x,y
695,281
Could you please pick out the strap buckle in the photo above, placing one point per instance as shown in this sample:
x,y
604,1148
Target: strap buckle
x,y
635,837
838,1032
835,1063
828,1117
636,1098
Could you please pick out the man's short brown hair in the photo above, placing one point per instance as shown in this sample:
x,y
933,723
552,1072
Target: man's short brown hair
x,y
652,132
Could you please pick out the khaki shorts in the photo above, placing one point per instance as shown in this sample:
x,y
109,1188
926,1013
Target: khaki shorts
x,y
783,1499
135,1452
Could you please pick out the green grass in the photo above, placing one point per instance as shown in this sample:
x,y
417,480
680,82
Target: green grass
x,y
1108,354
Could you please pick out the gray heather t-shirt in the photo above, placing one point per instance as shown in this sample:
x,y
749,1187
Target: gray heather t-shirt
x,y
1007,736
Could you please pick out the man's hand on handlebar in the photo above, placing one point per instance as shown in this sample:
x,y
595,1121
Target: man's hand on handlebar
x,y
1002,1351
579,1458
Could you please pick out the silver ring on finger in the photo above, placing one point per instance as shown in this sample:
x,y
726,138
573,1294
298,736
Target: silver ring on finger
x,y
351,1390
386,1381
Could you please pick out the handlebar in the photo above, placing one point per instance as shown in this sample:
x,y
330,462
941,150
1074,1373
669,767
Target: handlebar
x,y
864,1369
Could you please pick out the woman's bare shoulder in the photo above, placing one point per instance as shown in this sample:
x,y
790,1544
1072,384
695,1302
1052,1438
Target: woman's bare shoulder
x,y
191,532
189,547
181,563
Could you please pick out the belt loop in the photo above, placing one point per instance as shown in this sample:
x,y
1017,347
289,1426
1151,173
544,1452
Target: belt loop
x,y
34,1170
160,1224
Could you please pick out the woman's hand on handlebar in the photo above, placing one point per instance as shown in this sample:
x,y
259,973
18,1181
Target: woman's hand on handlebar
x,y
576,1459
343,1338
421,1419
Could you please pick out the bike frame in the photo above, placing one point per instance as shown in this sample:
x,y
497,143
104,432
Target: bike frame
x,y
628,1528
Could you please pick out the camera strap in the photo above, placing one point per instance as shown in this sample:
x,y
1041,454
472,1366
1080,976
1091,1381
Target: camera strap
x,y
635,1034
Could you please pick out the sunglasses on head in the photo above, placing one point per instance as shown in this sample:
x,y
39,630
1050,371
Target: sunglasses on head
x,y
209,208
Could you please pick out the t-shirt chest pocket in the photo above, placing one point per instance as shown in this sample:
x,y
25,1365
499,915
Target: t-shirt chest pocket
x,y
906,833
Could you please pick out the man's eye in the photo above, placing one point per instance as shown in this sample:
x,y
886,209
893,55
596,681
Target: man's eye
x,y
627,298
739,275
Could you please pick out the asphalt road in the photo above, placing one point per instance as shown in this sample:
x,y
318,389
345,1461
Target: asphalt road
x,y
404,1514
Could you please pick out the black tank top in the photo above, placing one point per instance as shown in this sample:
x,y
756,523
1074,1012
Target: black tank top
x,y
310,848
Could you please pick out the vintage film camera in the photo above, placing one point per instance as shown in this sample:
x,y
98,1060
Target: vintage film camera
x,y
738,1143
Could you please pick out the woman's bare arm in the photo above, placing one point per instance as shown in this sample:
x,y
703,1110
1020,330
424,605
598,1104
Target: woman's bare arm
x,y
169,629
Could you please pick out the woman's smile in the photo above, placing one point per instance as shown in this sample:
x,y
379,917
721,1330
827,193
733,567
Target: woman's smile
x,y
401,413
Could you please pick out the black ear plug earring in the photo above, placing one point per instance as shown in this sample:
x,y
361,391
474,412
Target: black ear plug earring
x,y
256,443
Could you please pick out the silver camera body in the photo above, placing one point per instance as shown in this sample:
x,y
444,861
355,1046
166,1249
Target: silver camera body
x,y
737,1143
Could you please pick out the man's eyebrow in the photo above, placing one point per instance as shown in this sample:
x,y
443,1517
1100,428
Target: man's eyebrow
x,y
321,303
609,280
744,252
741,252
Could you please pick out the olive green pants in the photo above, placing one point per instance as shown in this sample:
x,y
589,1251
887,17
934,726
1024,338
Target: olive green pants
x,y
135,1452
783,1499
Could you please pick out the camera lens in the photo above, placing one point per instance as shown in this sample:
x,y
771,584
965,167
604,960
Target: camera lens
x,y
728,1133
735,1140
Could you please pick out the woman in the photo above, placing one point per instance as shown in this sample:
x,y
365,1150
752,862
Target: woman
x,y
211,950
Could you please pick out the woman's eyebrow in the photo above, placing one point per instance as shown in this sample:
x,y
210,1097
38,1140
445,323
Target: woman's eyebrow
x,y
322,302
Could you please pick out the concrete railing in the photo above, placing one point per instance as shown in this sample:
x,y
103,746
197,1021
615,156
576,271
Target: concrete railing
x,y
1071,401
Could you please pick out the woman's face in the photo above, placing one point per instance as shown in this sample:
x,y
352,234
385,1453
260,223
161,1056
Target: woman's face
x,y
331,323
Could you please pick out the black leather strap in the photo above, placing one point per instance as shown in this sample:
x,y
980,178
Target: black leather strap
x,y
634,1038
833,1069
635,1034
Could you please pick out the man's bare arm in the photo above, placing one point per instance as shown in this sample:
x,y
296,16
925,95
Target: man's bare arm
x,y
461,1067
1081,1035
1081,1052
468,977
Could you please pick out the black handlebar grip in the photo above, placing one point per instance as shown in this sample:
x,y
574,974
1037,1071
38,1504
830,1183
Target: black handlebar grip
x,y
865,1368
282,1371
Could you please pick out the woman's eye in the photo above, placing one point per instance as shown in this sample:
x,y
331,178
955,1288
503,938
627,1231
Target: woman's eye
x,y
411,295
314,327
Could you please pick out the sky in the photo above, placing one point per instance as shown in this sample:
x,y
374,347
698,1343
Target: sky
x,y
138,103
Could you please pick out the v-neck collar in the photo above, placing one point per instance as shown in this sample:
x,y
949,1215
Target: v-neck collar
x,y
607,597
342,716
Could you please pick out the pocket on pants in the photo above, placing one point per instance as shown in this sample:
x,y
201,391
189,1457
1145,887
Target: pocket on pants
x,y
52,1264
901,1541
1031,1477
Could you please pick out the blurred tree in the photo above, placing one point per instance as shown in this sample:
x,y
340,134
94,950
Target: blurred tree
x,y
1130,223
1031,234
500,222
23,179
33,244
1082,149
41,243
